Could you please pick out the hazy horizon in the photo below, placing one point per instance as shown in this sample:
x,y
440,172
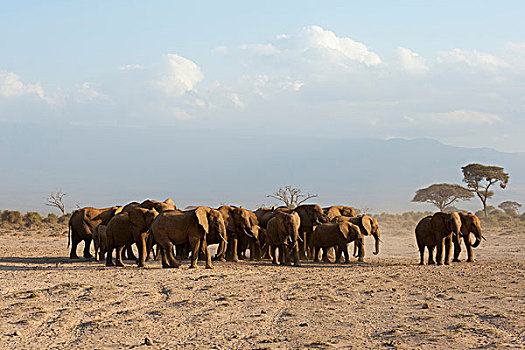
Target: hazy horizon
x,y
114,101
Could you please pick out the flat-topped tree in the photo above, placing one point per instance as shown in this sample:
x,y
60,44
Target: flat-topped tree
x,y
510,207
479,178
442,195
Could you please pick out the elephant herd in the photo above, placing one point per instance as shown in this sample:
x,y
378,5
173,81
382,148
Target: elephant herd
x,y
281,234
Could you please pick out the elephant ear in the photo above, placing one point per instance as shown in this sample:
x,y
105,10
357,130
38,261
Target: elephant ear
x,y
344,228
137,217
366,223
202,218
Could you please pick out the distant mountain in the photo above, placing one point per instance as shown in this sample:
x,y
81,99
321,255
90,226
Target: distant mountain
x,y
102,166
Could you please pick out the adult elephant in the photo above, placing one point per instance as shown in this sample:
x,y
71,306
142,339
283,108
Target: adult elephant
x,y
128,228
368,226
469,224
282,234
436,231
328,235
81,225
253,243
168,204
175,227
311,215
339,210
239,222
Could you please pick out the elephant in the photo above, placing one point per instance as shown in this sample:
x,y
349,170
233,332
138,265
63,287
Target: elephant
x,y
239,223
246,242
175,227
128,228
81,225
282,232
337,234
339,210
437,230
469,224
368,226
100,241
168,204
311,215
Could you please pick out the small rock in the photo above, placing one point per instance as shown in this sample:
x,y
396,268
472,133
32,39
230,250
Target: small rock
x,y
263,312
148,342
426,306
393,289
16,333
304,324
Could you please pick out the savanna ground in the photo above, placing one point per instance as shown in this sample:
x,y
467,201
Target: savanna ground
x,y
50,302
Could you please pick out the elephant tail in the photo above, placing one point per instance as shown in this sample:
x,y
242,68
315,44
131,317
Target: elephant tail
x,y
68,234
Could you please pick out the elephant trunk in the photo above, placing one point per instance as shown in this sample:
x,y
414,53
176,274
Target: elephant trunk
x,y
478,236
377,244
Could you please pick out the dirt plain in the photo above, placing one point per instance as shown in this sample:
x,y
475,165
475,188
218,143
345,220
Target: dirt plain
x,y
50,302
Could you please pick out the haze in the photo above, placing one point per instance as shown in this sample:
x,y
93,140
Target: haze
x,y
224,103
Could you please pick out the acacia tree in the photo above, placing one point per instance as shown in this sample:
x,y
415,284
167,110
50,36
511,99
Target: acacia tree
x,y
291,197
442,195
479,178
56,200
510,207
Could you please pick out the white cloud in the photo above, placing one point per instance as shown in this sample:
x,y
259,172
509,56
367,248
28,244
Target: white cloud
x,y
181,75
11,86
131,67
471,58
410,60
315,37
463,116
261,49
86,93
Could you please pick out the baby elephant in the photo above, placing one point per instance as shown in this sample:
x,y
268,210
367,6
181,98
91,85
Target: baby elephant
x,y
100,241
337,234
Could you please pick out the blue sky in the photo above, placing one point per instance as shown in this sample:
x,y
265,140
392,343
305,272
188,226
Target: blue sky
x,y
80,74
448,70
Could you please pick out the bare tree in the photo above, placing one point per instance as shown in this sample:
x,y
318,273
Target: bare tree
x,y
291,197
56,200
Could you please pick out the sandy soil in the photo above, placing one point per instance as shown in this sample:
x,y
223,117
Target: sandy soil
x,y
48,301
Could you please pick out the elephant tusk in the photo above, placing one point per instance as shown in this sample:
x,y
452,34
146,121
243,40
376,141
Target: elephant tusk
x,y
299,238
379,239
248,234
483,237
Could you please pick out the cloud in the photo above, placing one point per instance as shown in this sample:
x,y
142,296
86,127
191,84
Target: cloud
x,y
472,58
315,37
460,116
131,67
11,86
410,60
86,93
180,76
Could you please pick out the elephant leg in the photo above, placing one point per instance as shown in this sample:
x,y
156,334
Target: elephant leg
x,y
142,250
118,256
345,252
355,250
431,249
317,250
129,252
422,256
361,252
195,247
87,245
325,254
220,251
448,249
296,260
470,251
168,260
109,257
74,244
274,257
235,257
457,248
439,252
207,255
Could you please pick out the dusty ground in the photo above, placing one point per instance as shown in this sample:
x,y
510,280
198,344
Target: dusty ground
x,y
48,301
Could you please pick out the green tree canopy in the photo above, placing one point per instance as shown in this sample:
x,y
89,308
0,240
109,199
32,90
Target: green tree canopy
x,y
442,195
479,178
510,207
